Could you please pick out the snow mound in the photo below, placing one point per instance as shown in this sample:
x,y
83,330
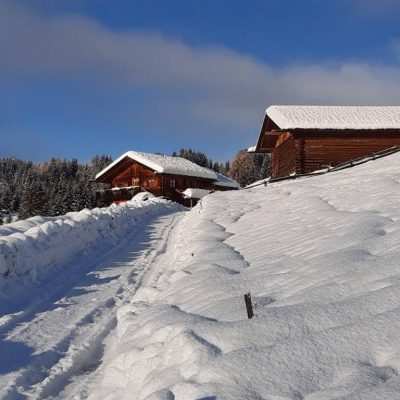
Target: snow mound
x,y
143,196
28,248
321,259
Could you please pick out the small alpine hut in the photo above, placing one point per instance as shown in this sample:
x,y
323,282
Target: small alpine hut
x,y
302,139
175,178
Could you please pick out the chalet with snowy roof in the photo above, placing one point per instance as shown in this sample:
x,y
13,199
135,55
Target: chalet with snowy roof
x,y
175,178
302,139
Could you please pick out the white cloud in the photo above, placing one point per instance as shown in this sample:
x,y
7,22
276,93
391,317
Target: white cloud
x,y
219,84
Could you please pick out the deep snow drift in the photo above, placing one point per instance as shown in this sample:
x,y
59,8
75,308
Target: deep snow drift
x,y
321,257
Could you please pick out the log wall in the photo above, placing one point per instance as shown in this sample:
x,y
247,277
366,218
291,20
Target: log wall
x,y
283,159
316,149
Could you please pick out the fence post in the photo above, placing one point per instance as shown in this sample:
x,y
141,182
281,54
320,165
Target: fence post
x,y
249,305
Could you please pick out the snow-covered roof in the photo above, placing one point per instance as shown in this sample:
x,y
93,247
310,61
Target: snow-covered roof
x,y
225,181
195,193
164,165
124,188
335,117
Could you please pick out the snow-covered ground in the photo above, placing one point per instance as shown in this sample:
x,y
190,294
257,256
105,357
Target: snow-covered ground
x,y
67,277
320,256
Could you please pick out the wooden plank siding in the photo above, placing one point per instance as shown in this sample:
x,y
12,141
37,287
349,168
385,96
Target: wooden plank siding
x,y
284,158
306,150
320,149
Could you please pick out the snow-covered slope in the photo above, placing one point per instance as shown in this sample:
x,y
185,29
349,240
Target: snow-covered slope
x,y
321,258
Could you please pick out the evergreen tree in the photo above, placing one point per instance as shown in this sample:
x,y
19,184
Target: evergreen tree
x,y
98,163
266,168
34,201
8,218
63,185
199,158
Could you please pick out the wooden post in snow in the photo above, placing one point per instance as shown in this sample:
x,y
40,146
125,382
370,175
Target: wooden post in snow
x,y
249,305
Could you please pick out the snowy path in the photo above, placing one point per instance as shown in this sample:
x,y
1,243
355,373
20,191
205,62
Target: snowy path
x,y
58,339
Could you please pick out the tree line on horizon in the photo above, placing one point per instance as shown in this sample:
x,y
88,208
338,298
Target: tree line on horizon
x,y
48,189
61,186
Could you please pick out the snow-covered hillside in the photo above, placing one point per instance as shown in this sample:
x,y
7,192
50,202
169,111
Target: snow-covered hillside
x,y
321,258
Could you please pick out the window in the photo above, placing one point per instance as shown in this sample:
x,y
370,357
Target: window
x,y
152,182
172,183
135,182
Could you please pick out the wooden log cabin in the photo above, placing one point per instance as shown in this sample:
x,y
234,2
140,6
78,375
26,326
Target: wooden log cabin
x,y
161,175
303,139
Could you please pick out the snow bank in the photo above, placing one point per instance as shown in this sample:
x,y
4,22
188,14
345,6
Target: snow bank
x,y
25,224
321,258
29,247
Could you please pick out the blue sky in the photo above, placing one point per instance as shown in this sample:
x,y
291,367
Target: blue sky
x,y
84,77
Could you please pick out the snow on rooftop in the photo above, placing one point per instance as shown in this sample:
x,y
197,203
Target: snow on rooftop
x,y
225,181
164,165
335,117
124,188
194,193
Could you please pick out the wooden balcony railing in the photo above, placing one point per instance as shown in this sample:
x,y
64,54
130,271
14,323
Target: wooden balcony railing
x,y
116,195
